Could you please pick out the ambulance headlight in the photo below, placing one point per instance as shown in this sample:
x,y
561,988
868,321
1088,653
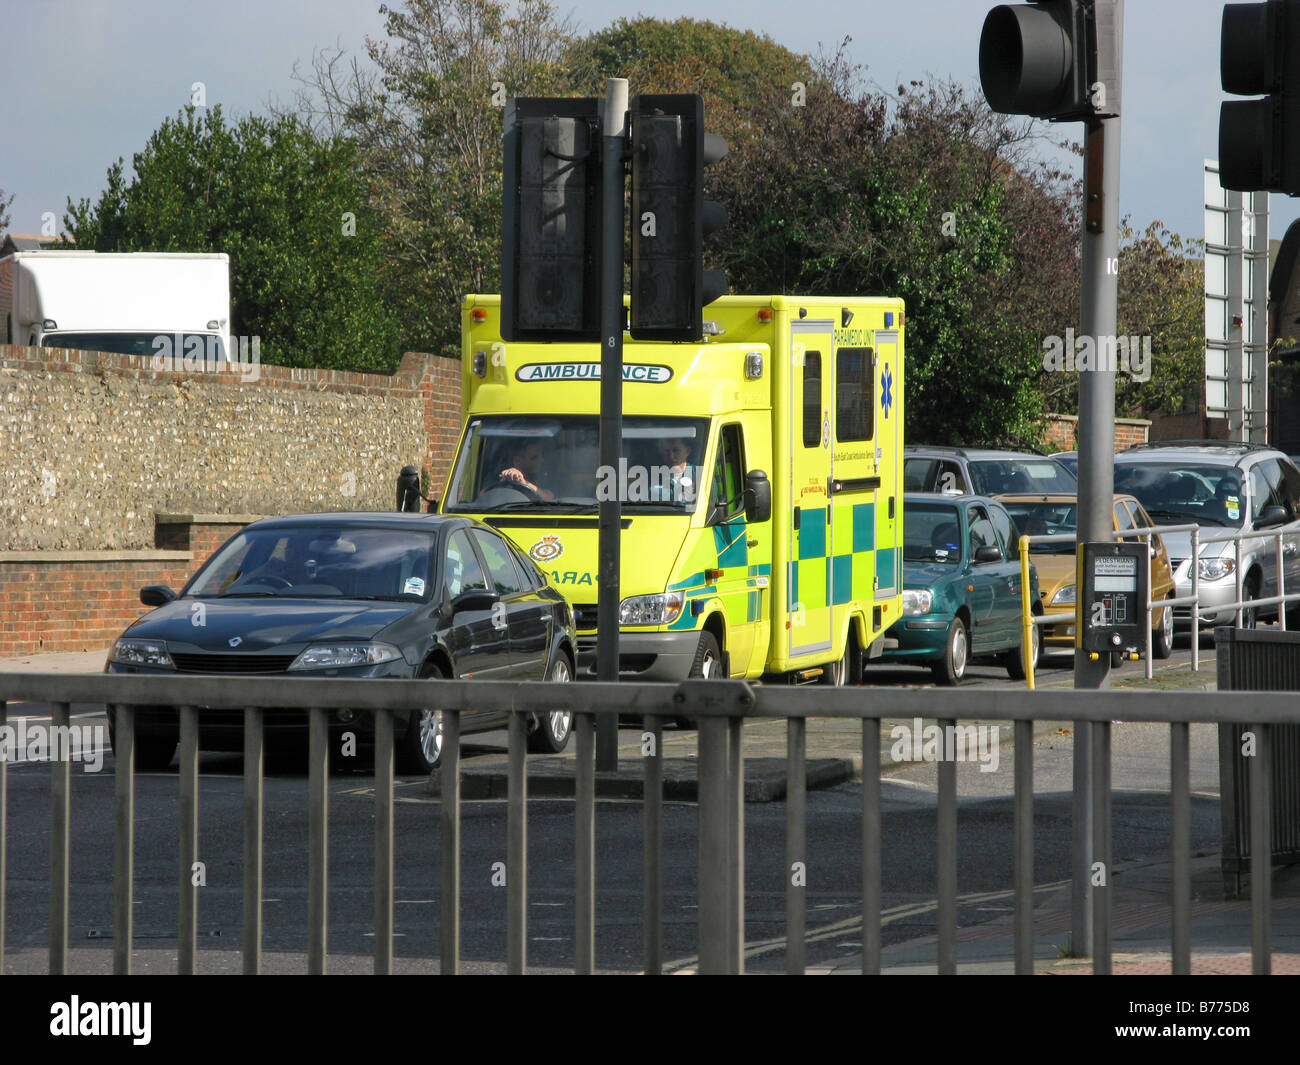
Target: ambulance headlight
x,y
661,609
917,601
1064,596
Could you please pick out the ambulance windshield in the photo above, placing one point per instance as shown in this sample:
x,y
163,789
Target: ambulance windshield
x,y
552,463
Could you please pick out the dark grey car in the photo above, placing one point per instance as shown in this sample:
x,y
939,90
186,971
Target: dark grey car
x,y
354,595
984,471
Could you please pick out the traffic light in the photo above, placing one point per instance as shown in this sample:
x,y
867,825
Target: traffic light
x,y
1259,140
550,240
670,217
1056,59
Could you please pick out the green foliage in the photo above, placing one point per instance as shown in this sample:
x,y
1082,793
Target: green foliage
x,y
854,193
1161,297
276,199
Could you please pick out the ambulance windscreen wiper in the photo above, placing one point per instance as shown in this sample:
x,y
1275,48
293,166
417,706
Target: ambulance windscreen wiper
x,y
564,506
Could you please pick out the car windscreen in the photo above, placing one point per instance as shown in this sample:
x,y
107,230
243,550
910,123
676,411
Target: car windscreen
x,y
1181,494
552,463
195,348
321,562
990,477
1045,519
931,533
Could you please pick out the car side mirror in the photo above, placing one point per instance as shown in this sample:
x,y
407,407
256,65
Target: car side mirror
x,y
758,497
987,553
156,595
1272,515
475,599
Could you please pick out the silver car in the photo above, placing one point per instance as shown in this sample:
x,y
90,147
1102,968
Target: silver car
x,y
1221,486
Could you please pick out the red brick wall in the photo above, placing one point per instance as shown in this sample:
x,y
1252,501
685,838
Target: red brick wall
x,y
1062,432
81,601
73,601
441,391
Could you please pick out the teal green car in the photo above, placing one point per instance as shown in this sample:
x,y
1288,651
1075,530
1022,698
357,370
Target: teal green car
x,y
961,587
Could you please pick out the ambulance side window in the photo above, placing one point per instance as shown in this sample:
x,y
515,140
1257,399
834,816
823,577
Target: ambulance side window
x,y
854,406
812,399
729,476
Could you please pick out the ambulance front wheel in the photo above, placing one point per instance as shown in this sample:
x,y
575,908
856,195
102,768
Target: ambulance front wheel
x,y
707,664
951,668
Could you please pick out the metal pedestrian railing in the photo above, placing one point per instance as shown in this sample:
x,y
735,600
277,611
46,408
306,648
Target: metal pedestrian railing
x,y
721,709
1199,612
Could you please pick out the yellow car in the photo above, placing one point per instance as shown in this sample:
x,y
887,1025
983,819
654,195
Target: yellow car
x,y
1040,515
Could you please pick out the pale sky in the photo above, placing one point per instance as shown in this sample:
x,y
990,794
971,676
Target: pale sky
x,y
87,81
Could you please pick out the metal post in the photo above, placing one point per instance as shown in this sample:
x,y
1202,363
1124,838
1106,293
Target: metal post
x,y
517,849
611,404
946,846
736,846
1101,848
796,850
1023,835
653,832
123,842
1261,853
713,850
60,793
871,846
449,843
318,782
253,769
1096,443
1180,821
384,842
584,846
187,947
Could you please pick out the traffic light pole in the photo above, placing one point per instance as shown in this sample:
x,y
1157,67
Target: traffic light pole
x,y
612,320
1096,491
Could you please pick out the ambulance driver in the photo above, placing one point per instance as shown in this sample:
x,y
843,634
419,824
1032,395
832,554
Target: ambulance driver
x,y
526,462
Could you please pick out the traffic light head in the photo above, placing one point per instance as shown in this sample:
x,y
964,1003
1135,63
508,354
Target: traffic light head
x,y
670,217
1259,140
550,282
1057,59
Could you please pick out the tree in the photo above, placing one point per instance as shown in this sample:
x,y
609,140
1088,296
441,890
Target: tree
x,y
1161,313
304,250
426,123
849,191
4,211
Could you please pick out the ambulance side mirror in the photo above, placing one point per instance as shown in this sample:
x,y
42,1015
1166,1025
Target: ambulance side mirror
x,y
758,497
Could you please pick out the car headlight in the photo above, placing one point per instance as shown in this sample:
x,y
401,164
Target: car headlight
x,y
344,655
1064,596
142,653
917,601
1214,569
662,609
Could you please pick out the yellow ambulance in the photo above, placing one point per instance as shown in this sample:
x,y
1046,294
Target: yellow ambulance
x,y
761,482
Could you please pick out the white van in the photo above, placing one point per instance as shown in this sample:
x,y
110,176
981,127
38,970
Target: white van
x,y
120,302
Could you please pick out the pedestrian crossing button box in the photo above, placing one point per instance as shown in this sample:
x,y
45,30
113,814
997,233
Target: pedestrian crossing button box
x,y
1114,585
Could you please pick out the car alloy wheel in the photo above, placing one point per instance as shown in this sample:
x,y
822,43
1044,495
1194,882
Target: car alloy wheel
x,y
555,727
1162,637
421,748
952,667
